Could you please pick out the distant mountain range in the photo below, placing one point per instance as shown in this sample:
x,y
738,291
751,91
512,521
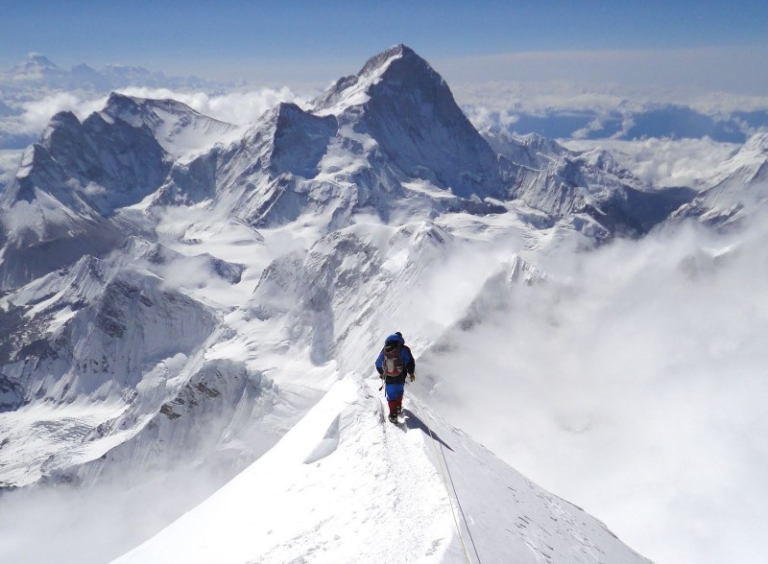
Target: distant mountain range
x,y
676,121
673,121
39,71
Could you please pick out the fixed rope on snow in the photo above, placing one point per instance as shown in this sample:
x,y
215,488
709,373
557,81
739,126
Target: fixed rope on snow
x,y
458,501
443,462
443,469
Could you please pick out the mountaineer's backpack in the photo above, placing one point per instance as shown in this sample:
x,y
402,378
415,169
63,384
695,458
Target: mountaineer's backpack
x,y
393,364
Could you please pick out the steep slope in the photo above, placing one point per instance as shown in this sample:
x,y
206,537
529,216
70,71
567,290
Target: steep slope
x,y
345,486
180,130
99,342
408,109
565,183
737,187
312,312
58,206
66,199
102,164
263,177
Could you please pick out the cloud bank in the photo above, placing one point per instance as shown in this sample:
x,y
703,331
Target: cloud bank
x,y
633,384
237,107
664,162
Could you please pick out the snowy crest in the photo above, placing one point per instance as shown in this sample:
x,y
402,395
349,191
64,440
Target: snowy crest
x,y
348,475
408,109
738,187
180,130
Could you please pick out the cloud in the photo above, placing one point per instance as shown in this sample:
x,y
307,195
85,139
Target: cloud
x,y
634,387
9,163
582,89
37,113
93,524
237,107
542,98
664,162
240,107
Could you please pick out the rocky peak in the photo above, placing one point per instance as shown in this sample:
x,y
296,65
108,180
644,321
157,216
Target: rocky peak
x,y
401,102
139,111
288,140
94,166
181,130
61,124
391,66
541,144
398,64
117,103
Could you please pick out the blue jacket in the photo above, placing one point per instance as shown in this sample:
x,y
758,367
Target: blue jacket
x,y
409,364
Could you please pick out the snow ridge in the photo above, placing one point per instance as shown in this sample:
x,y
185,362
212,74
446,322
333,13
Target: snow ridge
x,y
739,186
347,474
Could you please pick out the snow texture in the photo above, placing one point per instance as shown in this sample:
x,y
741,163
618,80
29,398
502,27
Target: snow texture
x,y
347,474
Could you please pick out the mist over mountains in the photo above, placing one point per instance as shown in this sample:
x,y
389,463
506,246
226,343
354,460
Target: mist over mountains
x,y
39,71
185,298
655,120
621,119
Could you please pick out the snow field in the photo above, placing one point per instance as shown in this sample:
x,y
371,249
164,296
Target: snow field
x,y
344,485
341,476
33,435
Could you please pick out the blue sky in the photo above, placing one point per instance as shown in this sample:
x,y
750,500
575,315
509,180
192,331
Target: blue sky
x,y
282,41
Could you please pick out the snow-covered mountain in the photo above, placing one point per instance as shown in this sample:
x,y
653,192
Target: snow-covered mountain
x,y
40,72
181,294
63,202
179,129
399,101
388,140
563,182
738,183
36,68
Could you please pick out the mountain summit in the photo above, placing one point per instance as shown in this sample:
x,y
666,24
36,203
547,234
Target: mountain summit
x,y
407,107
354,90
36,67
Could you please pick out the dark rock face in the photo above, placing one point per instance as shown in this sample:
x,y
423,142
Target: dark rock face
x,y
119,162
58,208
300,141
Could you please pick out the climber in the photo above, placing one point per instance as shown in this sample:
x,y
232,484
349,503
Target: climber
x,y
394,363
